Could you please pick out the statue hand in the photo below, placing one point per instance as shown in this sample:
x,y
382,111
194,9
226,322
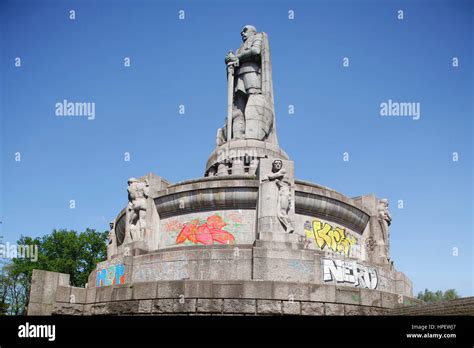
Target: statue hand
x,y
231,58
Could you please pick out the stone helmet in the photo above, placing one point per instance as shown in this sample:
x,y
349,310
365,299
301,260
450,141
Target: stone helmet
x,y
249,28
132,180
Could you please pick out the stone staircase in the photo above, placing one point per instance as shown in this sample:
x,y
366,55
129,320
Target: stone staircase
x,y
461,306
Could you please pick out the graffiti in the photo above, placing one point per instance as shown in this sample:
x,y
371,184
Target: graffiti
x,y
160,271
111,275
349,272
324,235
234,217
173,225
300,266
206,232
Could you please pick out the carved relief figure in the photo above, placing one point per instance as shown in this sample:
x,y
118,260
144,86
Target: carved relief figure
x,y
370,244
111,235
111,242
285,199
138,192
384,220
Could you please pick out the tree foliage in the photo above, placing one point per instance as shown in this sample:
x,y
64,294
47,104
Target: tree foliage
x,y
438,296
61,251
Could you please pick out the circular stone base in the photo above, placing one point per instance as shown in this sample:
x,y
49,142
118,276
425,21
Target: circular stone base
x,y
244,151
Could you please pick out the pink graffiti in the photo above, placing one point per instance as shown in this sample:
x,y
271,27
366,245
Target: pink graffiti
x,y
173,225
234,217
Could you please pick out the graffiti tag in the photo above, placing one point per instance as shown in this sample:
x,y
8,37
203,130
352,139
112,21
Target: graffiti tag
x,y
173,225
300,266
111,275
208,232
324,235
349,272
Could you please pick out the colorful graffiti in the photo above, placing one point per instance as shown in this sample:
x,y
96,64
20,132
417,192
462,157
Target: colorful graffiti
x,y
234,217
111,275
349,272
206,233
173,225
324,235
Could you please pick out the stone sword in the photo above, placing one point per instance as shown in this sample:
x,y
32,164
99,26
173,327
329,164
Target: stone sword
x,y
230,96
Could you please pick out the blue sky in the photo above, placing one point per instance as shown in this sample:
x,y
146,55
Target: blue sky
x,y
176,62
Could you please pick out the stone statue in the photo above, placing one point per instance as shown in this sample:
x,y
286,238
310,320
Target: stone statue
x,y
112,241
111,234
284,200
138,192
251,114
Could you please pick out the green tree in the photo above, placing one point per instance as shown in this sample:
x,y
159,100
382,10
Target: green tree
x,y
12,290
61,251
5,284
450,294
438,296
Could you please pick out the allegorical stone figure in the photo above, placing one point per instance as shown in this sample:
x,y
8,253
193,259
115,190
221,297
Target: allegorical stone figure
x,y
136,210
284,201
112,241
253,109
111,234
384,220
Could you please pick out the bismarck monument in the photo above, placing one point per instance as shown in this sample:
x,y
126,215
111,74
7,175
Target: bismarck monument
x,y
247,238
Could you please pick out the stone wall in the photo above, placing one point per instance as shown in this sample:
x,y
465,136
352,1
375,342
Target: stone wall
x,y
43,290
224,297
215,307
268,260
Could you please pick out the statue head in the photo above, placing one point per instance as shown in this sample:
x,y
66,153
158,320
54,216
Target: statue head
x,y
384,202
111,224
277,165
248,31
131,181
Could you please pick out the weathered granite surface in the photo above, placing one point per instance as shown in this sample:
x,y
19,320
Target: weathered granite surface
x,y
248,238
236,297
